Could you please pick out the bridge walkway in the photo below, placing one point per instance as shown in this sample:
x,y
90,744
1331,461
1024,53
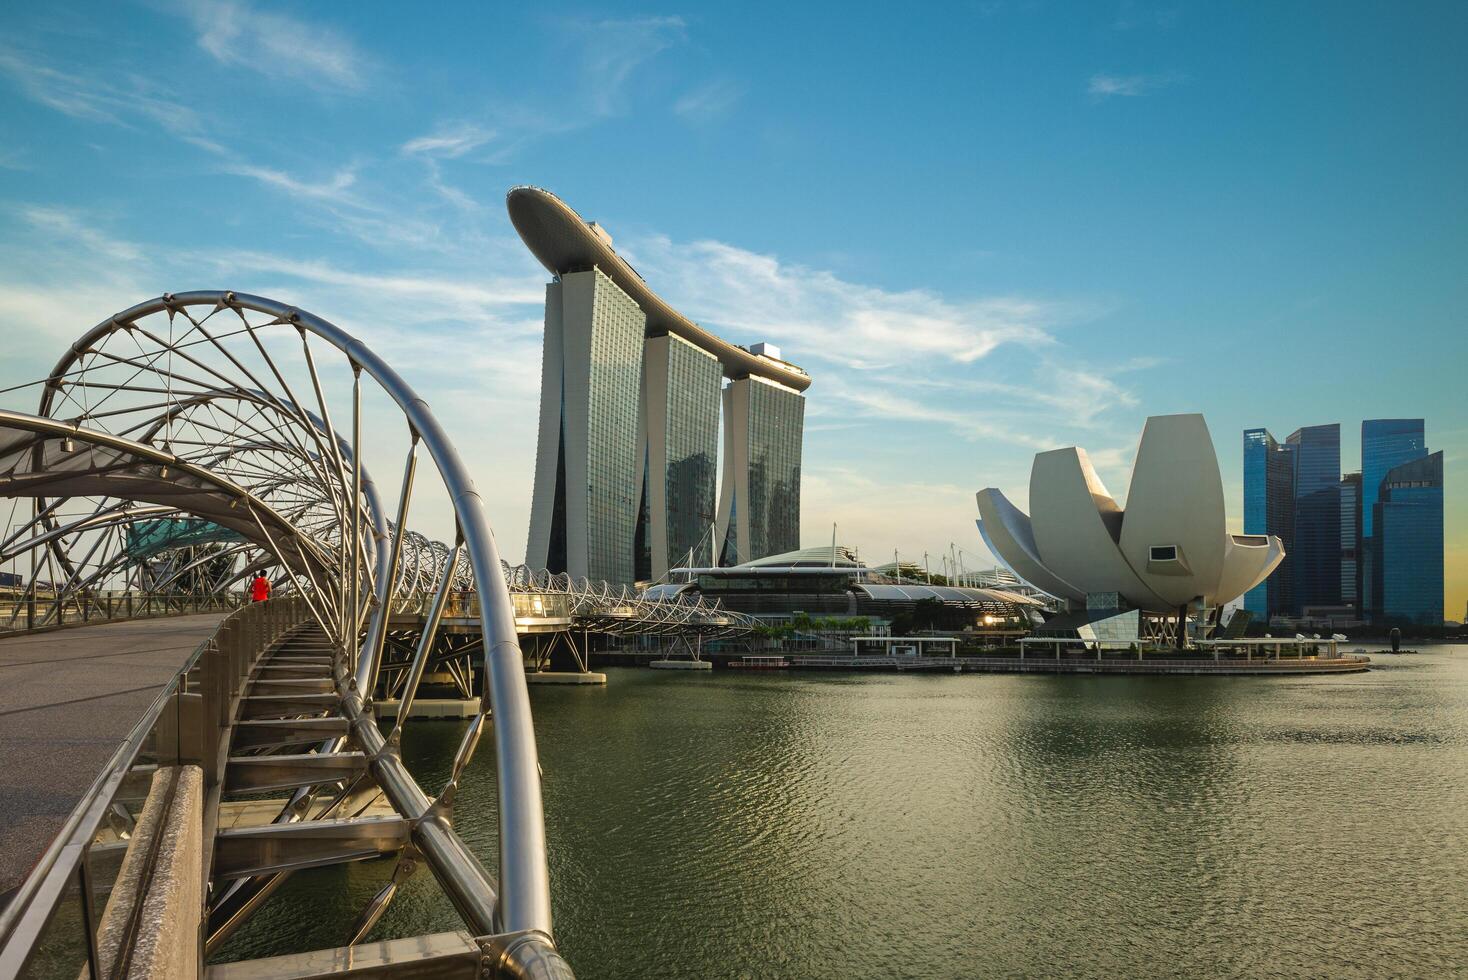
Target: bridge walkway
x,y
68,698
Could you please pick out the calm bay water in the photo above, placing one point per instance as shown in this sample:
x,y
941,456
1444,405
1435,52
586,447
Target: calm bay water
x,y
832,825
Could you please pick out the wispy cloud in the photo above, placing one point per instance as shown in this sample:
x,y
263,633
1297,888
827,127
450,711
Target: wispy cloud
x,y
69,225
817,314
1104,86
708,101
613,49
602,56
118,100
335,188
878,400
988,370
237,34
451,142
469,300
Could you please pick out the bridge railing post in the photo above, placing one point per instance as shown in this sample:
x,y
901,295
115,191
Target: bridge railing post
x,y
243,662
209,688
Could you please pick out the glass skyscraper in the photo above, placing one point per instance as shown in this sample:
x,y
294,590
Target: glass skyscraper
x,y
1373,540
1269,508
1350,539
1409,533
680,425
1315,557
759,513
584,512
1385,444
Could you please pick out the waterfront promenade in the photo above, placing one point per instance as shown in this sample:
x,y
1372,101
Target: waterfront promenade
x,y
67,700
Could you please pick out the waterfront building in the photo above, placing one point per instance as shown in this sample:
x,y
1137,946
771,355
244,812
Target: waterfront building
x,y
1408,524
1169,552
1315,548
584,512
829,583
629,415
678,468
1385,444
1338,562
759,512
1269,509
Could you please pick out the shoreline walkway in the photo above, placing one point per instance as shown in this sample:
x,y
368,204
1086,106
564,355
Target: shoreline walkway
x,y
67,700
1344,664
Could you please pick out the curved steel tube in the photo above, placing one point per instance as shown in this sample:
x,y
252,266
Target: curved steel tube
x,y
523,902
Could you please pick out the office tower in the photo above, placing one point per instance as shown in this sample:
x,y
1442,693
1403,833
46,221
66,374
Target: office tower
x,y
584,512
1385,443
1315,558
1269,508
678,467
759,510
1408,525
1350,539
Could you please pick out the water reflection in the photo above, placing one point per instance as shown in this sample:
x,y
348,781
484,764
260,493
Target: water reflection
x,y
835,826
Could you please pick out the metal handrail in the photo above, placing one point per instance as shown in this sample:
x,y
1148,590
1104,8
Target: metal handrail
x,y
23,922
102,604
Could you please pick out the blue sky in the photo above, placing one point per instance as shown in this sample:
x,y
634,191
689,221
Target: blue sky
x,y
985,228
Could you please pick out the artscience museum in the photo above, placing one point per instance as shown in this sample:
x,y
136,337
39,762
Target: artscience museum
x,y
1167,553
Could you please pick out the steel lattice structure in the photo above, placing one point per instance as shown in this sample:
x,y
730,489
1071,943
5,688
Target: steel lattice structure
x,y
194,439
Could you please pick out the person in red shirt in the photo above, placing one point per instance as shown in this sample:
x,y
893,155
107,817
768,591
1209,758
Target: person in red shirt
x,y
260,588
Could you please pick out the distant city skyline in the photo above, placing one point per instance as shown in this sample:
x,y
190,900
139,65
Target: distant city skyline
x,y
987,231
1371,540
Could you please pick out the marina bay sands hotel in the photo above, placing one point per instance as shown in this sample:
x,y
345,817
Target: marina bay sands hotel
x,y
630,399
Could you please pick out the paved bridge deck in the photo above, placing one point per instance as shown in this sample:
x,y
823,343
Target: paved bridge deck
x,y
67,700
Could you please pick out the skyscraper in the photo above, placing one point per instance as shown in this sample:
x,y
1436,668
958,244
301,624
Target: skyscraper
x,y
759,510
1408,526
1372,539
627,455
1269,508
678,470
584,511
1315,554
1385,444
1351,540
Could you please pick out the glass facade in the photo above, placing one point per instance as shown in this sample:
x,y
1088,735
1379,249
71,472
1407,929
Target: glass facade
x,y
627,460
1409,528
776,427
689,456
1269,508
1256,521
1316,556
764,425
585,509
613,392
1385,444
1350,539
1371,539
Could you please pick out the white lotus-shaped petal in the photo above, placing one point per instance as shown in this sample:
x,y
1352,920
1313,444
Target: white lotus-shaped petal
x,y
1006,530
1170,547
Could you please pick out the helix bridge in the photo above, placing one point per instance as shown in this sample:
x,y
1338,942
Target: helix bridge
x,y
184,446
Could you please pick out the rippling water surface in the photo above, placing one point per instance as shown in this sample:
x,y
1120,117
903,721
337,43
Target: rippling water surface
x,y
833,825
